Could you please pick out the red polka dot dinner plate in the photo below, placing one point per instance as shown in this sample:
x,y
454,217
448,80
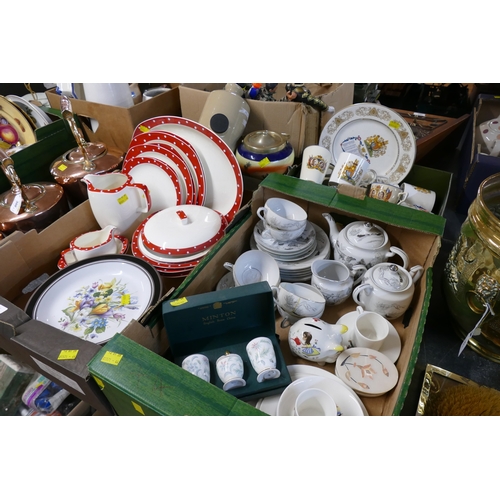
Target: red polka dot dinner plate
x,y
224,180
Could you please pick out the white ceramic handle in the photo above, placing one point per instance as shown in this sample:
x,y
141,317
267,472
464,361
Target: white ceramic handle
x,y
356,292
70,257
397,251
144,198
416,272
228,266
261,211
358,267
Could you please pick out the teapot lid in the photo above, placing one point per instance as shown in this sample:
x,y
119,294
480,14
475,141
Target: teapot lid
x,y
265,141
390,277
366,235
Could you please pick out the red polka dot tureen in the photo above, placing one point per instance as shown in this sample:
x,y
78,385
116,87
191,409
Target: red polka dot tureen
x,y
176,238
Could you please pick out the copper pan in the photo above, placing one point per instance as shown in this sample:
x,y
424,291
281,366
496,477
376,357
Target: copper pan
x,y
28,206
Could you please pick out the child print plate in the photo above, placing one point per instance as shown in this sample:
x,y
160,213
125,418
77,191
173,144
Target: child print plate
x,y
96,298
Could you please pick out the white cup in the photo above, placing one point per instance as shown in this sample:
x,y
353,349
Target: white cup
x,y
92,244
315,163
421,197
314,402
353,170
263,358
387,192
301,299
370,329
230,370
199,365
254,266
283,214
112,94
334,279
150,93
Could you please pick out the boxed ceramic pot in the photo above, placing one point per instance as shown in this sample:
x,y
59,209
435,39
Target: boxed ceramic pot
x,y
476,161
416,233
226,320
114,125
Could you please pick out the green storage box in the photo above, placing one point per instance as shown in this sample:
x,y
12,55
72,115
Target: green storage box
x,y
138,382
226,320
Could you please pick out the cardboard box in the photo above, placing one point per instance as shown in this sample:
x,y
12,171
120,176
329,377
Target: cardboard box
x,y
475,164
417,233
116,124
138,382
226,320
300,122
33,257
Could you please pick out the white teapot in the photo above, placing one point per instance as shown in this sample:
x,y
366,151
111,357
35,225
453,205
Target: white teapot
x,y
362,243
387,289
315,340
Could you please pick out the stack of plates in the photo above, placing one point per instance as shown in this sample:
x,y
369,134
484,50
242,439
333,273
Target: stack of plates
x,y
368,372
182,163
294,257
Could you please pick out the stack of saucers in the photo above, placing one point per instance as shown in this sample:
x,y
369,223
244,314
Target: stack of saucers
x,y
174,240
295,256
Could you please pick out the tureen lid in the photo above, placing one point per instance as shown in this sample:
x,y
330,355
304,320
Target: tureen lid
x,y
390,277
265,141
183,229
366,235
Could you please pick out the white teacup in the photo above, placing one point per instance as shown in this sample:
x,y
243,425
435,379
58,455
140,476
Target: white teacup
x,y
230,370
421,197
351,169
92,244
263,358
199,365
254,266
314,402
273,233
387,192
370,329
283,214
335,280
315,163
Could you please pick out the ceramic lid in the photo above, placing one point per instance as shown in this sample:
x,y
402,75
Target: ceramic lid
x,y
390,277
264,141
366,235
183,230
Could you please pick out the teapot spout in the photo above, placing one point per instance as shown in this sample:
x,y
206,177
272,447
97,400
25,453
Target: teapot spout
x,y
334,232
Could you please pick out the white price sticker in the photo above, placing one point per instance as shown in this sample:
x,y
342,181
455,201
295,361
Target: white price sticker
x,y
15,207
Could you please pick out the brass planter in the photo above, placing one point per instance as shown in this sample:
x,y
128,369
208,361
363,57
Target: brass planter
x,y
472,272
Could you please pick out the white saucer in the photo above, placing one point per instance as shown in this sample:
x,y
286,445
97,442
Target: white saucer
x,y
347,404
269,404
392,344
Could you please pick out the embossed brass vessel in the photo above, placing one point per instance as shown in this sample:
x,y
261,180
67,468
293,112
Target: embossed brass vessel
x,y
472,273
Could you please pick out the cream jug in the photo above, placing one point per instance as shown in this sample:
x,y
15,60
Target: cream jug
x,y
362,243
117,201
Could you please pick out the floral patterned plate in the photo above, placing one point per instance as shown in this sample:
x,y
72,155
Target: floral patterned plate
x,y
96,298
376,133
366,371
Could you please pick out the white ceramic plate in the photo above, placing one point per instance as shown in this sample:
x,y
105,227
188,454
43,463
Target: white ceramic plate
x,y
392,344
11,115
227,281
269,405
34,112
299,246
367,371
376,133
96,298
224,180
161,180
185,150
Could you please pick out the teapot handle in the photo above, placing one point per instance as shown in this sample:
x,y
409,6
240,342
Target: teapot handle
x,y
416,272
358,267
356,292
397,251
